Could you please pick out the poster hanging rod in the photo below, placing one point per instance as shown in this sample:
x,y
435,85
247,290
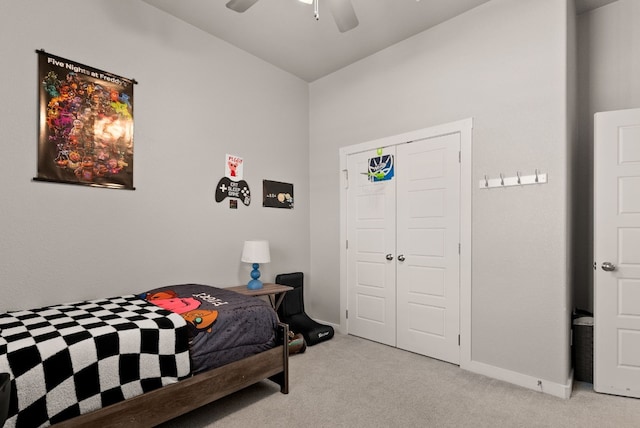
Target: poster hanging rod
x,y
42,51
103,185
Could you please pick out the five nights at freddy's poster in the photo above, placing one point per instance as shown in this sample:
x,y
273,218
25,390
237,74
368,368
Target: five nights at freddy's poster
x,y
86,124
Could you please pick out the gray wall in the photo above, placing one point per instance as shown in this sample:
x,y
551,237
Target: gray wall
x,y
608,78
505,64
198,98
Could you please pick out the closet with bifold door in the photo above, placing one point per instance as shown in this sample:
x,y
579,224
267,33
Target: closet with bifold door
x,y
403,246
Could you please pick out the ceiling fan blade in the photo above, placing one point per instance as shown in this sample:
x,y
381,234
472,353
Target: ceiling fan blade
x,y
343,14
240,5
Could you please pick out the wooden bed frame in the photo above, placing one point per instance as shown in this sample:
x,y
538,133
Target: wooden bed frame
x,y
168,402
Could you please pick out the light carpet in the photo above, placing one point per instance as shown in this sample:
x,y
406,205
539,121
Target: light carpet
x,y
352,382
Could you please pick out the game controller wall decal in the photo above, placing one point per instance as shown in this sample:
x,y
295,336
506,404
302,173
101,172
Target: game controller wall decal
x,y
233,189
232,185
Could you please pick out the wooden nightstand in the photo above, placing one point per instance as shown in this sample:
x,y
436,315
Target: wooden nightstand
x,y
275,292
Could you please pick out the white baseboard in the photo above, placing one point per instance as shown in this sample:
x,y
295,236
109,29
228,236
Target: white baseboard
x,y
530,382
525,381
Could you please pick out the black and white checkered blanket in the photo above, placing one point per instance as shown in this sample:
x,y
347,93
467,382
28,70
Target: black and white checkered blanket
x,y
67,360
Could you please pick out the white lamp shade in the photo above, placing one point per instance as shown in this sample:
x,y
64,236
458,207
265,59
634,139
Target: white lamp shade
x,y
256,252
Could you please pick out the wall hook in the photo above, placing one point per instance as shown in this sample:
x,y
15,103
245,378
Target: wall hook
x,y
517,180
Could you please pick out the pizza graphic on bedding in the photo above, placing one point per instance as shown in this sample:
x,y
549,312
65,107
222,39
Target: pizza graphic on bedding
x,y
188,307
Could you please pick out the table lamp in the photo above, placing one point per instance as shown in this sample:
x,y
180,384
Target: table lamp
x,y
255,252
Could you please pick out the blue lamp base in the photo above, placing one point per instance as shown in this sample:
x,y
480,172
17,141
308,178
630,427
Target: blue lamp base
x,y
255,283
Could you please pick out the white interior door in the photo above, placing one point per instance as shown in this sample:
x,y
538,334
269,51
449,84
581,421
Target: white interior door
x,y
371,278
617,253
428,237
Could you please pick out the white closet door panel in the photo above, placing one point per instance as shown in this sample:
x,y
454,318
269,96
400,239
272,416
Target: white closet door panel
x,y
428,236
371,278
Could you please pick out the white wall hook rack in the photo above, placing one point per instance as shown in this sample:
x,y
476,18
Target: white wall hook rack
x,y
517,180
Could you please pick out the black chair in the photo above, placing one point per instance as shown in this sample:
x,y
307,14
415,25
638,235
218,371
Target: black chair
x,y
291,311
5,392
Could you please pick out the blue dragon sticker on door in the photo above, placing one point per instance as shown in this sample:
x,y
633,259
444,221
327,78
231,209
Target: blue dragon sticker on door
x,y
381,168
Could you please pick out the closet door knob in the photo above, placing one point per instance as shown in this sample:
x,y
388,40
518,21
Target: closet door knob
x,y
401,257
389,257
608,267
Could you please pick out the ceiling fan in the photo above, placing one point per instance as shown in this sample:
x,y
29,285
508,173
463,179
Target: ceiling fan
x,y
342,11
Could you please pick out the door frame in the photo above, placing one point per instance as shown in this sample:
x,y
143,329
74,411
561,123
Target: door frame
x,y
465,129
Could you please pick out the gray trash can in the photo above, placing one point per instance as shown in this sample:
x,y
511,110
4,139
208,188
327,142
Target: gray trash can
x,y
582,349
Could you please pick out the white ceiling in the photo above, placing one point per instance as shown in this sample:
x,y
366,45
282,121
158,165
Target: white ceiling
x,y
285,33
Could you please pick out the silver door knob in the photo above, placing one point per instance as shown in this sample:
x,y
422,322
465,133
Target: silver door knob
x,y
401,257
389,257
608,267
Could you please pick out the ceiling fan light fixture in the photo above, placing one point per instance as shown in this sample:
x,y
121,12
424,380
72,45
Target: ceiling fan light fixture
x,y
342,11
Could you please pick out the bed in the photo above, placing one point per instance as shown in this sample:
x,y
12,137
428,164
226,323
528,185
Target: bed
x,y
120,361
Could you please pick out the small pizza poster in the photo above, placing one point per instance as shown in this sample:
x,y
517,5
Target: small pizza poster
x,y
233,167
